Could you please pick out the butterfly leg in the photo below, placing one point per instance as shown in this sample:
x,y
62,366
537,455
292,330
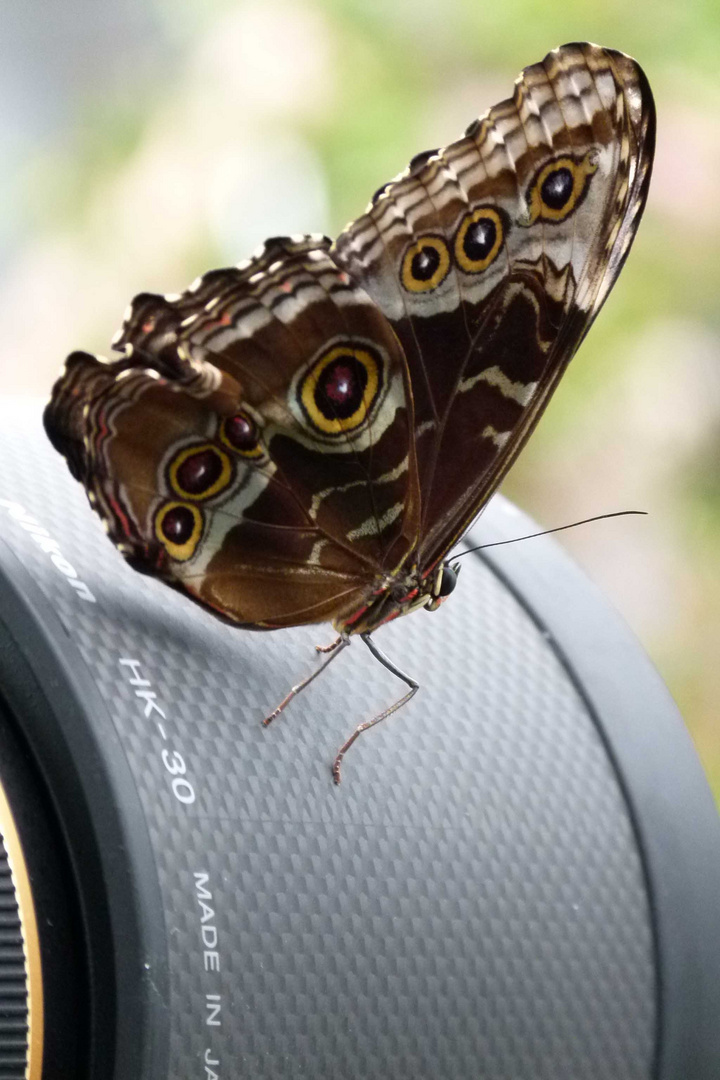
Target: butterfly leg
x,y
337,648
331,647
414,687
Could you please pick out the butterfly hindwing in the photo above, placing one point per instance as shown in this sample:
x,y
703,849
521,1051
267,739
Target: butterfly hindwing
x,y
492,256
254,442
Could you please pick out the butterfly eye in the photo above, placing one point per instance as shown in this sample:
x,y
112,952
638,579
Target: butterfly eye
x,y
559,187
425,264
241,433
479,239
448,580
340,389
199,472
178,527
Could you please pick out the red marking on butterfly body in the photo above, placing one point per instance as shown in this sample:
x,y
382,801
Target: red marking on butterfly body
x,y
358,614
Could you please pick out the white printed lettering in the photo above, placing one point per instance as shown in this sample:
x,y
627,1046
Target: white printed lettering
x,y
50,546
214,1008
201,881
150,702
137,679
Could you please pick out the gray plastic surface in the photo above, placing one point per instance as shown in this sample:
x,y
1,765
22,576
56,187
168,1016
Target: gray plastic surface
x,y
472,901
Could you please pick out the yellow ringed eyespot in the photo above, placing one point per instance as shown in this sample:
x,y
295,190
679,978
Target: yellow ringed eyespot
x,y
241,434
425,264
559,186
199,472
339,390
178,527
479,239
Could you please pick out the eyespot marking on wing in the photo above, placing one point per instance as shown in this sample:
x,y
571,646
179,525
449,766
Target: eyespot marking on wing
x,y
559,188
241,433
338,392
479,239
425,264
179,527
200,472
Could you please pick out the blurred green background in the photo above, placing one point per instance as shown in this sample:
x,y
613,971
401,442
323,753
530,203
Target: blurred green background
x,y
142,143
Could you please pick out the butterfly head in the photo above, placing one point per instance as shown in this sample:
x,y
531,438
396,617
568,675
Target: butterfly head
x,y
424,591
443,581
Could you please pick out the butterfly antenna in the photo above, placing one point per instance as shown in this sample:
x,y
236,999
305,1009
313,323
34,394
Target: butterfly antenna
x,y
546,532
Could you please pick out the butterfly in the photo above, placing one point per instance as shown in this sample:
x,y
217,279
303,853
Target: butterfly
x,y
304,437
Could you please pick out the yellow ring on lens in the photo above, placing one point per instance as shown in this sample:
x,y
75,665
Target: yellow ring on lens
x,y
475,266
413,284
580,171
225,477
31,962
308,388
185,551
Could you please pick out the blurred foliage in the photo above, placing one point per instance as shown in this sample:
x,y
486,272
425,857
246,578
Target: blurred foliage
x,y
636,422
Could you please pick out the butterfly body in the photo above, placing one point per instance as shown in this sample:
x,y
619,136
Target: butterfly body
x,y
305,436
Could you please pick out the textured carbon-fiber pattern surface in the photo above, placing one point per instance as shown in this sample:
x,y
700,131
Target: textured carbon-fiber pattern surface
x,y
469,903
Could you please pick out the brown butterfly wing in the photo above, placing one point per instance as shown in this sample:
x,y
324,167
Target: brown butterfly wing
x,y
286,435
491,258
253,445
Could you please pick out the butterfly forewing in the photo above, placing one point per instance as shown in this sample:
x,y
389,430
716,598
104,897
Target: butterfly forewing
x,y
492,256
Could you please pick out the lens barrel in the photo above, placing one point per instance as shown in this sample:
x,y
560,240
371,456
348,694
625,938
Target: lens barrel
x,y
184,893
